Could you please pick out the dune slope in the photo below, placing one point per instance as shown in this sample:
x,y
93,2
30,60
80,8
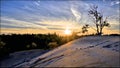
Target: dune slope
x,y
92,51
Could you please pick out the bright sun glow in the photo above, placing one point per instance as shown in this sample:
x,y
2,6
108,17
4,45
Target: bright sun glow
x,y
67,32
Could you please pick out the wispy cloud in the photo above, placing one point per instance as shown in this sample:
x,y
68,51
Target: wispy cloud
x,y
18,23
115,3
37,3
53,15
76,14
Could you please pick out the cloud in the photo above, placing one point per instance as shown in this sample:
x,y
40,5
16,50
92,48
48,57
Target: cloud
x,y
52,15
37,3
79,10
104,0
76,14
48,10
43,25
55,28
18,23
115,3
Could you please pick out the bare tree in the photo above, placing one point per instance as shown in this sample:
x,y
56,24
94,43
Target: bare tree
x,y
98,19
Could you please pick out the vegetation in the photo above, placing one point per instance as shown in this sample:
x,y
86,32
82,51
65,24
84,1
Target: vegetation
x,y
98,19
85,28
18,42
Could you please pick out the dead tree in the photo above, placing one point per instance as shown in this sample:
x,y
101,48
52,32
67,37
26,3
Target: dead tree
x,y
99,22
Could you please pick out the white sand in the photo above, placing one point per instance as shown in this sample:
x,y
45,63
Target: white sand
x,y
92,51
20,57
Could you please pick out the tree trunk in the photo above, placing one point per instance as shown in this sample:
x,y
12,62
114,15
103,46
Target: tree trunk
x,y
100,26
97,29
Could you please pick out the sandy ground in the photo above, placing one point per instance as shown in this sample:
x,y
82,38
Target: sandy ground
x,y
92,51
17,58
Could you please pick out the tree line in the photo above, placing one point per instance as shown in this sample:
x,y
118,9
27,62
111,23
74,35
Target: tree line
x,y
18,42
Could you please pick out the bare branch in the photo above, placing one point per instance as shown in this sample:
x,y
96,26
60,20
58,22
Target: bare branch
x,y
98,19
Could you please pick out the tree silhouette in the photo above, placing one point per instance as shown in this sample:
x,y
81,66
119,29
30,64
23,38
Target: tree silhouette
x,y
18,42
85,28
98,19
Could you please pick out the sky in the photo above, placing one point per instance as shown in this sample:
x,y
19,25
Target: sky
x,y
49,16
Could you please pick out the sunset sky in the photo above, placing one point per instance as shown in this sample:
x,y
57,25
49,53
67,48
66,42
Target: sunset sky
x,y
40,16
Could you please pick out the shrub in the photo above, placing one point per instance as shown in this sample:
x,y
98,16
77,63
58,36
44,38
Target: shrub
x,y
34,45
52,45
2,44
3,50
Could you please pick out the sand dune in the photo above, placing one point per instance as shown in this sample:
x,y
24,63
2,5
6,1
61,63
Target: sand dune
x,y
92,51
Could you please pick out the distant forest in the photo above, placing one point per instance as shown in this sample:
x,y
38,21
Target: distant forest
x,y
18,42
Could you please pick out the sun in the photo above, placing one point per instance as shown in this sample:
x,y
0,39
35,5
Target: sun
x,y
68,32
